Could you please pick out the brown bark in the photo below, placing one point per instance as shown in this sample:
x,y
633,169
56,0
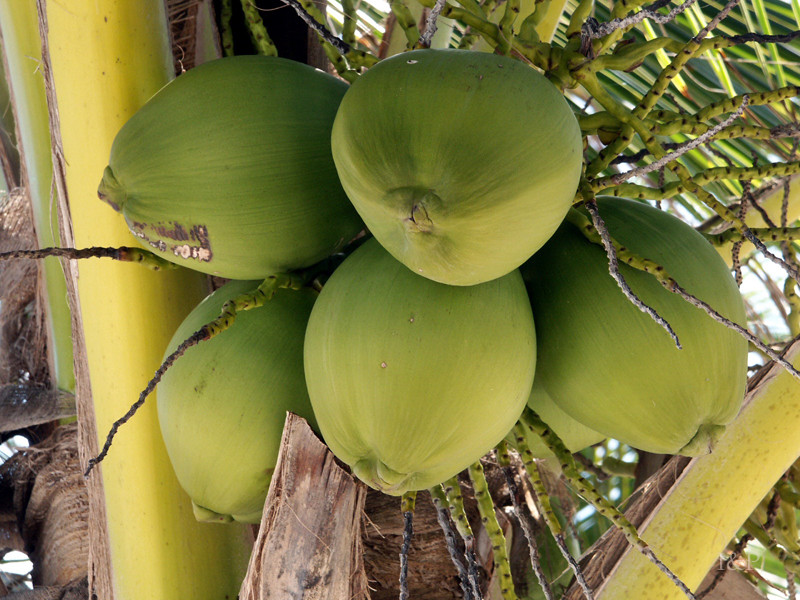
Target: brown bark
x,y
309,543
76,590
28,405
51,508
22,336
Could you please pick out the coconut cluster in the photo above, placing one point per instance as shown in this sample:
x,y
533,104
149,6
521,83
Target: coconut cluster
x,y
420,352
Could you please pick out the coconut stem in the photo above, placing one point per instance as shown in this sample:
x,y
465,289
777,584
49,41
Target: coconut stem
x,y
505,463
583,487
123,253
230,309
443,516
455,503
407,506
613,268
542,499
258,32
489,520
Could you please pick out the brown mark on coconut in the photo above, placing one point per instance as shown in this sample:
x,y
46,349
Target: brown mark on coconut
x,y
198,248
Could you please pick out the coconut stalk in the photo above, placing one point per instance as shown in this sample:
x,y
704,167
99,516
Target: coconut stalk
x,y
395,40
690,521
772,205
102,61
19,29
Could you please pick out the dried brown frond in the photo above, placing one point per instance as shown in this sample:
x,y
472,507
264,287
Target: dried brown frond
x,y
23,347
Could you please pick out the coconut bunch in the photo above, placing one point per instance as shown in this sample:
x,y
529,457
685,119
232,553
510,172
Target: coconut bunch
x,y
424,168
421,352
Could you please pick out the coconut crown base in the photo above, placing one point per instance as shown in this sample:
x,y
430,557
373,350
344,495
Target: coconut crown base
x,y
380,477
704,440
204,515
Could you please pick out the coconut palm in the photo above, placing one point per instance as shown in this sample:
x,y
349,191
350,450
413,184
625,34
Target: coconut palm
x,y
765,134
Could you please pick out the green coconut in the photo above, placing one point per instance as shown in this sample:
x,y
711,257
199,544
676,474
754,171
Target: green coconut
x,y
462,164
411,380
223,404
228,170
610,366
575,435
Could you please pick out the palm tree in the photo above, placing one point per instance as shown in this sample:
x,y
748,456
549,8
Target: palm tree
x,y
605,75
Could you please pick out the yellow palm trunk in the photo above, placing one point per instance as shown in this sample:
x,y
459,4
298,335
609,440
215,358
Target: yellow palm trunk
x,y
108,57
716,493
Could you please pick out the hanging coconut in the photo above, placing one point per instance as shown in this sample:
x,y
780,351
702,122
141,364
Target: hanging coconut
x,y
411,380
462,164
228,170
610,366
223,404
575,435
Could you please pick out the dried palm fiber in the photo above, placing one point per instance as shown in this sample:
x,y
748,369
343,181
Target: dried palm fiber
x,y
23,347
50,501
185,21
77,590
432,575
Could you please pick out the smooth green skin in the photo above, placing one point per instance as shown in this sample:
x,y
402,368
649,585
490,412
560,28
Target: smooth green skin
x,y
575,435
222,405
610,366
462,164
228,170
412,380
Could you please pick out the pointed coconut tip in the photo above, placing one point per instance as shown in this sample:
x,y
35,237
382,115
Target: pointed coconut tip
x,y
110,191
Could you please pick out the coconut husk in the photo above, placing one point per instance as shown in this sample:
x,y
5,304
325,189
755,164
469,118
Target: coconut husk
x,y
23,339
51,507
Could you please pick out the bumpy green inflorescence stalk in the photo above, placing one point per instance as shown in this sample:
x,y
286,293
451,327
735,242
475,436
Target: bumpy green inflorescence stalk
x,y
230,309
506,26
258,33
407,503
406,22
704,177
349,20
455,504
619,11
259,297
123,254
489,520
583,487
225,30
542,499
443,516
770,234
789,560
504,460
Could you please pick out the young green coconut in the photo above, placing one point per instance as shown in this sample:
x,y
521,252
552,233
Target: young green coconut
x,y
462,164
228,170
222,406
411,380
610,366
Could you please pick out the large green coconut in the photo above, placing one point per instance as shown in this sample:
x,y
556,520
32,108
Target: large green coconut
x,y
411,380
222,405
609,365
462,164
228,169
